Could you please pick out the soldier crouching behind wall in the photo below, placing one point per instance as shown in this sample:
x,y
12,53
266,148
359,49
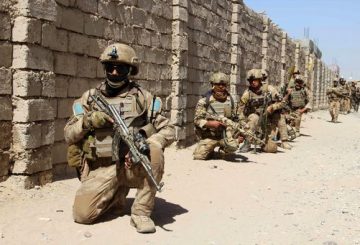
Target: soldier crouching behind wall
x,y
214,114
101,157
260,105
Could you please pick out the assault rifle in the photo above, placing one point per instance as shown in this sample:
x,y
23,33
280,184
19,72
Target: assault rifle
x,y
263,119
139,149
238,127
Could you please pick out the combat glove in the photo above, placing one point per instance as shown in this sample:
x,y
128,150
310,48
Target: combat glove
x,y
96,119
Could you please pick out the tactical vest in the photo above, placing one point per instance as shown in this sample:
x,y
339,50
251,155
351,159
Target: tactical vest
x,y
344,90
298,99
132,111
256,102
332,95
216,108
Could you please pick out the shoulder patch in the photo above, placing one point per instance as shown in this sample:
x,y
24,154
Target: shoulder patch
x,y
157,105
78,109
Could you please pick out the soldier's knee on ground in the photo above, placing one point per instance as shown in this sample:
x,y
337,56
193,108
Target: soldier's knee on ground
x,y
270,147
83,212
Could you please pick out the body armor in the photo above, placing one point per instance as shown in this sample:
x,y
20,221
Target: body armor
x,y
130,109
298,99
332,95
256,102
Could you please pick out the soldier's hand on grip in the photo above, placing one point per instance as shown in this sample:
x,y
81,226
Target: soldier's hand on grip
x,y
214,124
97,119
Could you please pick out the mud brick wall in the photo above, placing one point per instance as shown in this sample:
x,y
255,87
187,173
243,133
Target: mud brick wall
x,y
49,53
5,88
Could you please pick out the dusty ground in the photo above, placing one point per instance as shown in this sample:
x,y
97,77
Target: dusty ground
x,y
309,195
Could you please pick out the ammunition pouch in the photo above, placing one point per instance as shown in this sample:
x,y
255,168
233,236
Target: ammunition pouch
x,y
147,130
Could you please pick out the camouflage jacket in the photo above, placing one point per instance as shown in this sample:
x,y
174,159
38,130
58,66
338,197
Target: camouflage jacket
x,y
164,130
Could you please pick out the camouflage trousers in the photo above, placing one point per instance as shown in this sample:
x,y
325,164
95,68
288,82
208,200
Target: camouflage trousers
x,y
275,121
205,148
296,120
334,108
105,187
345,105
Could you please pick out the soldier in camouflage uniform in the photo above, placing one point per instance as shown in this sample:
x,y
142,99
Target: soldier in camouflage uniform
x,y
334,96
210,126
354,97
89,133
252,106
357,96
345,102
299,102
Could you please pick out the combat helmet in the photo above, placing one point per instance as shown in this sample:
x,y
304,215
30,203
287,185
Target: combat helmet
x,y
299,79
254,74
119,53
219,77
342,81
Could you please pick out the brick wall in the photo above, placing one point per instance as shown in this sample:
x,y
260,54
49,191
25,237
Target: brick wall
x,y
51,51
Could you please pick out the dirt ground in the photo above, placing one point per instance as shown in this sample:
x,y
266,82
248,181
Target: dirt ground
x,y
309,195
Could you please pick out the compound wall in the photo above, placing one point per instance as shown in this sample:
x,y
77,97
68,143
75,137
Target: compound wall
x,y
50,51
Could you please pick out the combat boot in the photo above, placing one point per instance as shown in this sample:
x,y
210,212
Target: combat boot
x,y
143,224
245,147
298,134
285,145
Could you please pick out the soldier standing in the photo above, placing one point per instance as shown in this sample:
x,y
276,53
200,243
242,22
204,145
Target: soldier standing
x,y
345,103
261,106
354,97
107,174
210,126
299,102
334,95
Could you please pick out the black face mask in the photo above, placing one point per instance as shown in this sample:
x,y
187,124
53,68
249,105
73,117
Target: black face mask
x,y
118,80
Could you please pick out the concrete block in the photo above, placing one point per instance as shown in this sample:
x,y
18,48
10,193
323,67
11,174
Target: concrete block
x,y
138,17
5,81
5,108
94,25
100,73
65,64
27,83
48,84
59,129
112,31
32,57
107,9
33,160
78,43
6,50
71,19
26,30
41,9
89,6
86,67
54,38
61,86
63,171
26,136
5,26
96,47
59,151
33,110
47,133
28,182
77,86
5,134
4,164
64,109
